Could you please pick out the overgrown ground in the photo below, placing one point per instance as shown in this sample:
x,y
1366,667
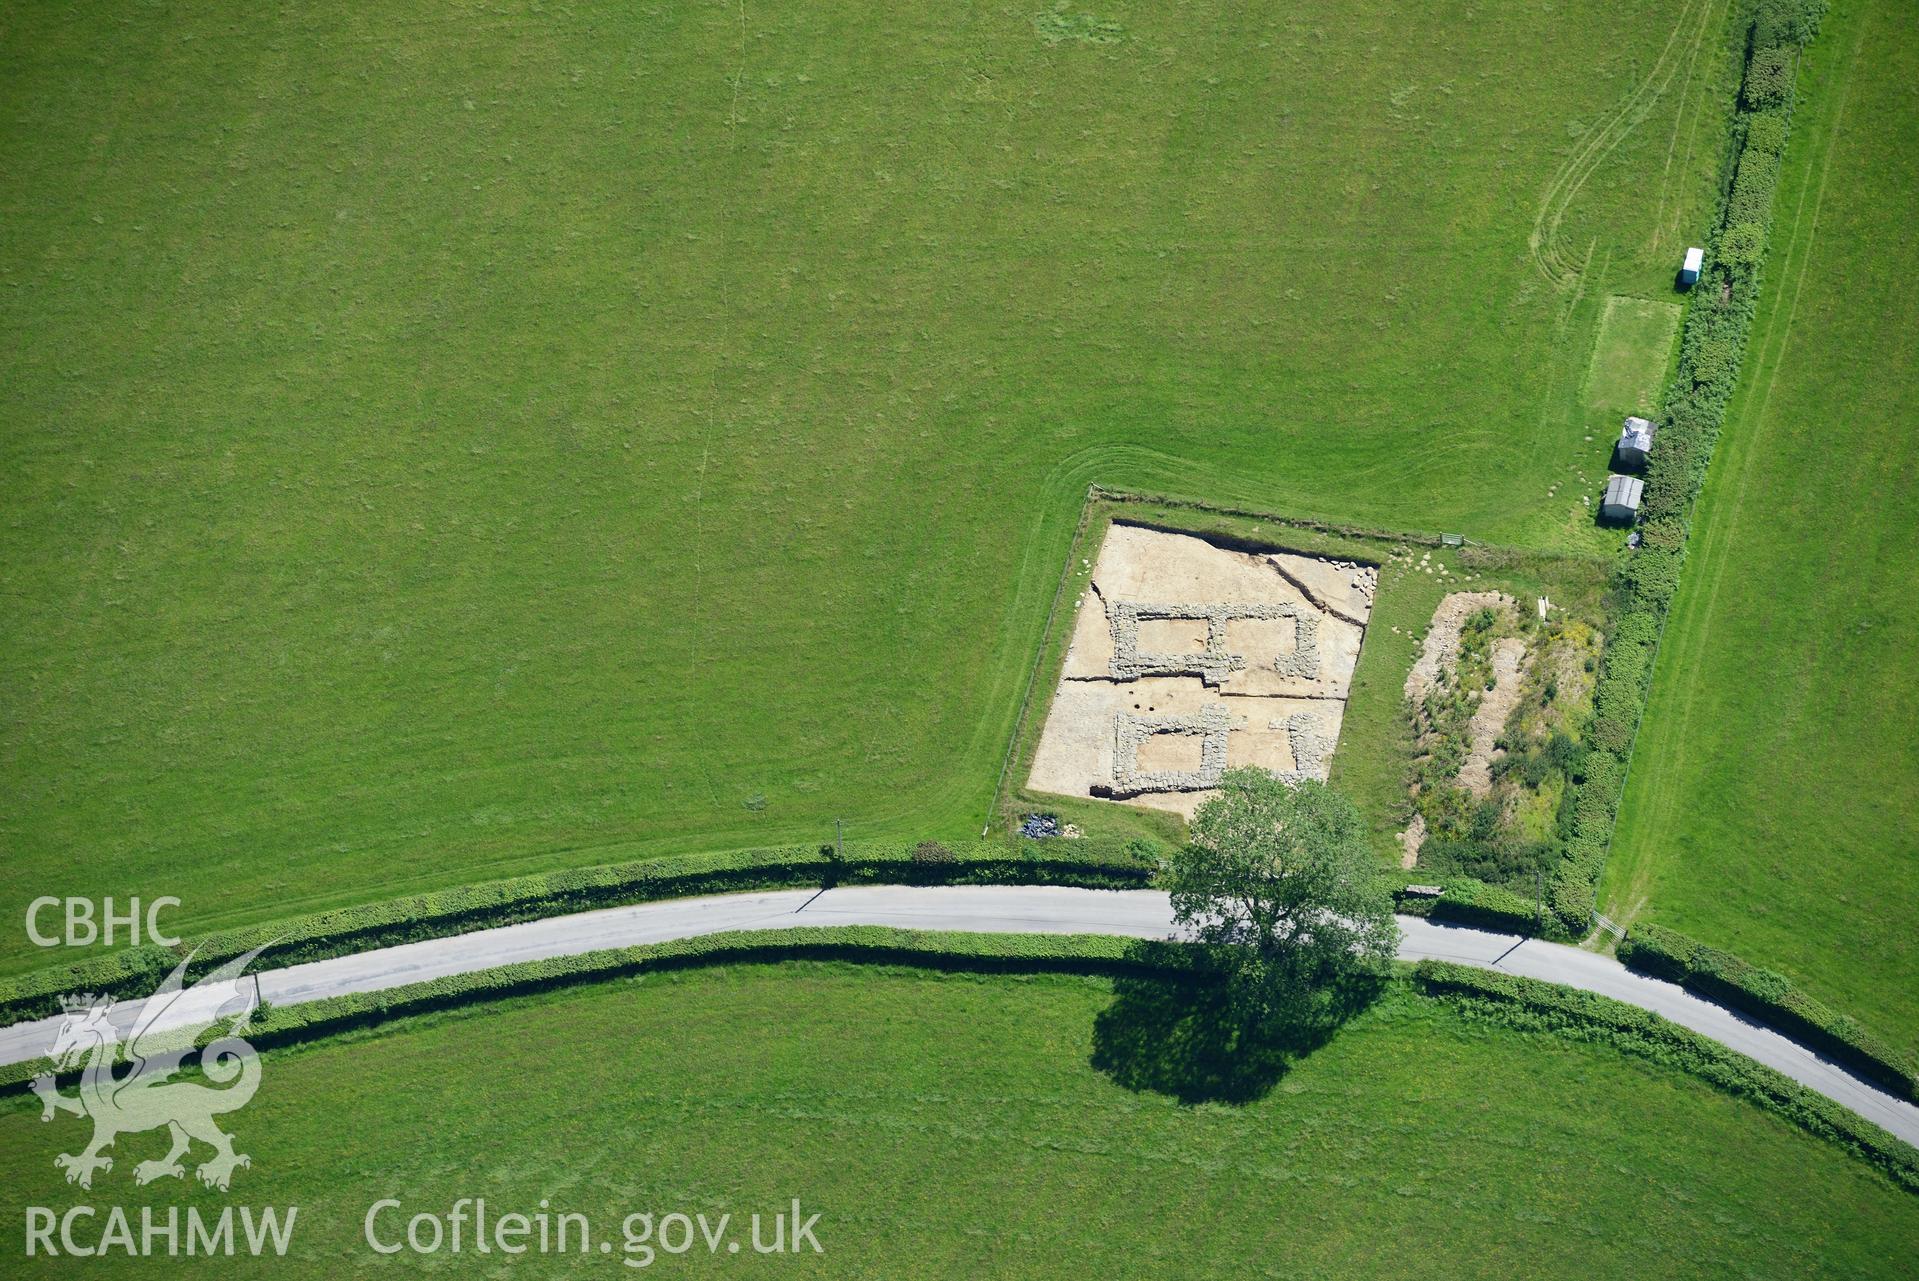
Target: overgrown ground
x,y
439,442
942,1125
1773,803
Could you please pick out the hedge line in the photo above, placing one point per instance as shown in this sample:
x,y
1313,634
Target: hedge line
x,y
1531,1005
1469,901
131,972
1721,976
278,1026
1711,347
1094,863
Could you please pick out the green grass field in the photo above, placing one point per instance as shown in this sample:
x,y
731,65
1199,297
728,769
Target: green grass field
x,y
1773,804
943,1125
438,443
1630,356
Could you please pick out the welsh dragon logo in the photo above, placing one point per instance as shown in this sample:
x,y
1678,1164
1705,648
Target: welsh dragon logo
x,y
162,1033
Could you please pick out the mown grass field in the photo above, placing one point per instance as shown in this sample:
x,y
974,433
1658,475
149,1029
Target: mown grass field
x,y
943,1125
1773,803
442,442
1630,357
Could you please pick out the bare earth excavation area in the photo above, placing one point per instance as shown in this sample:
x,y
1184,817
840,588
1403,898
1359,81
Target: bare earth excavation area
x,y
1189,659
1438,654
1495,701
1437,658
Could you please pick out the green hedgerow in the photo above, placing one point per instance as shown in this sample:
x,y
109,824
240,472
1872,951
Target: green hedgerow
x,y
1769,77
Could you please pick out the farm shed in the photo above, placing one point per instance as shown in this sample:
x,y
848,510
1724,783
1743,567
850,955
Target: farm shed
x,y
1621,500
1635,443
1689,270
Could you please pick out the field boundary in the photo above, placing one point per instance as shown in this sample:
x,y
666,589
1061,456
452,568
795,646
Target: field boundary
x,y
1532,1005
1721,977
1712,346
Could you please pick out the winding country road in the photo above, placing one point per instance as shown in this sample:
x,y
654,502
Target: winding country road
x,y
993,909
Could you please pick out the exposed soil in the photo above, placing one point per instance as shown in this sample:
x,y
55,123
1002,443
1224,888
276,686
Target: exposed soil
x,y
1442,638
1495,705
1440,652
1410,840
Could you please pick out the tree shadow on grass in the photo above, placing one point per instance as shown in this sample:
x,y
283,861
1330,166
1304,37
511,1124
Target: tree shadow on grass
x,y
1176,1028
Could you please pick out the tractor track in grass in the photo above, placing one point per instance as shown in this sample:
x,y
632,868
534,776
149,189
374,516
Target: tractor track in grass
x,y
1615,127
1659,232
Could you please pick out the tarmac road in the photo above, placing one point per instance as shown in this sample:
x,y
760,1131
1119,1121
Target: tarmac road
x,y
1039,909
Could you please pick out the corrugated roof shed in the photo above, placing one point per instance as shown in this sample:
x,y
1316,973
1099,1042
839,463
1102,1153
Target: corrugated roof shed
x,y
1621,500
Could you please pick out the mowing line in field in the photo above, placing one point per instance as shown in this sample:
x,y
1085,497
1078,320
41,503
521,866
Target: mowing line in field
x,y
1687,102
696,635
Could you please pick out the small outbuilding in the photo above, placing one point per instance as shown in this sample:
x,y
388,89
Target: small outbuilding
x,y
1689,270
1621,500
1635,444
